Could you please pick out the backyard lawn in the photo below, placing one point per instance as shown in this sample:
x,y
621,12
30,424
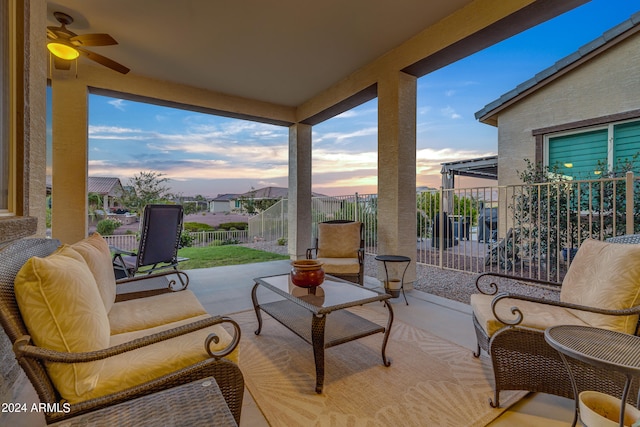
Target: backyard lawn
x,y
216,256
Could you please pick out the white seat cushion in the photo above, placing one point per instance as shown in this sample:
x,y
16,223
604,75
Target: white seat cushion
x,y
536,316
143,313
147,363
340,265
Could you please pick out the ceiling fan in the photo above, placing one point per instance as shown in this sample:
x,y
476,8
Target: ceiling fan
x,y
65,45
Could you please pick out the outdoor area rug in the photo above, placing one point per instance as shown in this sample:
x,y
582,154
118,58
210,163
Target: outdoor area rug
x,y
431,381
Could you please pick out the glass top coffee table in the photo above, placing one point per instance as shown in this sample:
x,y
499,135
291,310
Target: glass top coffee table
x,y
305,312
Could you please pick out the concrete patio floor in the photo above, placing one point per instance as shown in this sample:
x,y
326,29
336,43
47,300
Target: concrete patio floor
x,y
227,290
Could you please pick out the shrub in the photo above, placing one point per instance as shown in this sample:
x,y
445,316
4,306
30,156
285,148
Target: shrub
x,y
282,241
185,239
234,225
197,226
106,227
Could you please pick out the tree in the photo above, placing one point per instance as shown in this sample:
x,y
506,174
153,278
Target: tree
x,y
95,203
146,188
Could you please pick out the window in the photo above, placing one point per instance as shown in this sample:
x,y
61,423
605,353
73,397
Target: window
x,y
589,153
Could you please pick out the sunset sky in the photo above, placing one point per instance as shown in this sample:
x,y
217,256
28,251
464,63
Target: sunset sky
x,y
210,155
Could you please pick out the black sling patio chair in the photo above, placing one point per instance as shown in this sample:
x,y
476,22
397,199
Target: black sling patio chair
x,y
158,247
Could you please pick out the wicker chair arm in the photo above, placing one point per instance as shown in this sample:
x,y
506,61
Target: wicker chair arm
x,y
519,316
171,283
22,348
493,286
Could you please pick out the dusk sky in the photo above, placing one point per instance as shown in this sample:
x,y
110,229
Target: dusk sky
x,y
210,155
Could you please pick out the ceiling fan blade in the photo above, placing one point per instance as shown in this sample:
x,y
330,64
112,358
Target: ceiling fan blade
x,y
93,40
51,34
103,60
61,64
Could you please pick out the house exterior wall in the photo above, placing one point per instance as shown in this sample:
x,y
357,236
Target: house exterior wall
x,y
219,206
608,84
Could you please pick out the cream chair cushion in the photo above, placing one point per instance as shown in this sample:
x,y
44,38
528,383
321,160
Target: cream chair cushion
x,y
95,251
340,265
340,240
146,363
63,311
536,316
142,313
604,275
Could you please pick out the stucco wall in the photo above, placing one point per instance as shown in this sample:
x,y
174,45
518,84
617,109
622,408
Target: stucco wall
x,y
608,84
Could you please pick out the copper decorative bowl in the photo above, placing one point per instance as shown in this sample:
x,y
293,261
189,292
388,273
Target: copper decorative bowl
x,y
306,273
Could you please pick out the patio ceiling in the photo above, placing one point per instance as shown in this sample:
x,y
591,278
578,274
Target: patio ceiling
x,y
283,52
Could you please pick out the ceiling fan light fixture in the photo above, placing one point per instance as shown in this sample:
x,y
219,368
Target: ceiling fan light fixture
x,y
62,50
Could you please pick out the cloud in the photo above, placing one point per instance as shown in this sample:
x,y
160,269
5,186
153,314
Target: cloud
x,y
450,92
119,104
450,113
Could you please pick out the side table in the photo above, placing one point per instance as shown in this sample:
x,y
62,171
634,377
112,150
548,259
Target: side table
x,y
393,259
612,350
196,403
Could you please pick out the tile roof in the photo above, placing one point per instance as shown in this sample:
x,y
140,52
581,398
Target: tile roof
x,y
103,185
271,193
605,41
225,197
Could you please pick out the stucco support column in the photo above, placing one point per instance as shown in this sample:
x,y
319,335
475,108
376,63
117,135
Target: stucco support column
x,y
397,171
69,212
299,209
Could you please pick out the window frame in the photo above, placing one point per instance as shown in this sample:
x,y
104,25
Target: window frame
x,y
8,107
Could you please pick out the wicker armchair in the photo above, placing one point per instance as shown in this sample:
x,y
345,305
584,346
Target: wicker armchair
x,y
37,361
600,289
340,247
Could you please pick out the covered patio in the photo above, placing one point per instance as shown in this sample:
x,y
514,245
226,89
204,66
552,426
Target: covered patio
x,y
304,67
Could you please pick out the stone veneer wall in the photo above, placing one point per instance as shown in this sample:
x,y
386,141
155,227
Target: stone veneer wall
x,y
10,372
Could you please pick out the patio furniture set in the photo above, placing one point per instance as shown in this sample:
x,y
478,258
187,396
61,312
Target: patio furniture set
x,y
140,354
98,355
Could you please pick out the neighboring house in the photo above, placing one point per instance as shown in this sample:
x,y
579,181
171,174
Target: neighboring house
x,y
582,112
266,193
224,203
109,189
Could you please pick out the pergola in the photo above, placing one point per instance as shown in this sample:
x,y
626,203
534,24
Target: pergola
x,y
286,63
481,167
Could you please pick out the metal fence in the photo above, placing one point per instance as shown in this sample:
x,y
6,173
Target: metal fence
x,y
129,242
530,230
271,224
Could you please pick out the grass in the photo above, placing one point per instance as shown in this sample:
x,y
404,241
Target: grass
x,y
216,256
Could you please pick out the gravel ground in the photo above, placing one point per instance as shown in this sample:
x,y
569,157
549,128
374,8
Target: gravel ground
x,y
450,284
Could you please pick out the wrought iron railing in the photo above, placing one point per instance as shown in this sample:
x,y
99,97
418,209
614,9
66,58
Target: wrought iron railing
x,y
531,230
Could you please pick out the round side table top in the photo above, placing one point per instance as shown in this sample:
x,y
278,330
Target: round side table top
x,y
393,258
